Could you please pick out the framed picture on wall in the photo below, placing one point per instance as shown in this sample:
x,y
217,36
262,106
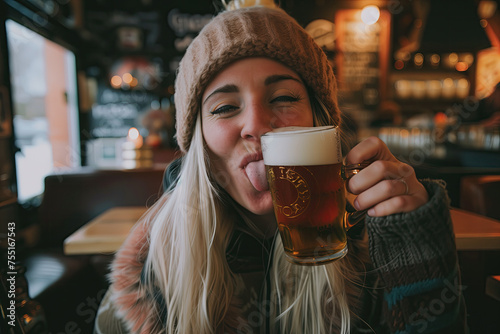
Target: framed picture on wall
x,y
5,121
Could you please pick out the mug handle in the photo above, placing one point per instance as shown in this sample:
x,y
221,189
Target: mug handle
x,y
352,216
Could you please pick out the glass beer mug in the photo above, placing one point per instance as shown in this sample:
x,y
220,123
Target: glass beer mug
x,y
307,183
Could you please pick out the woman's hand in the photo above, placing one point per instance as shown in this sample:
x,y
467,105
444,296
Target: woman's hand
x,y
387,185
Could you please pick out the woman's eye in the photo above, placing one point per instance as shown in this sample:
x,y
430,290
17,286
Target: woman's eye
x,y
223,109
285,98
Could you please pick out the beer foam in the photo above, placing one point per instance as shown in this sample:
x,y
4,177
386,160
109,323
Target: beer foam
x,y
302,146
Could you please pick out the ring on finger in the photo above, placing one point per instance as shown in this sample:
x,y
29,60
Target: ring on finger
x,y
406,185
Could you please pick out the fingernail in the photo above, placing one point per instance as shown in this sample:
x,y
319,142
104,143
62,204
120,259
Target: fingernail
x,y
371,212
356,204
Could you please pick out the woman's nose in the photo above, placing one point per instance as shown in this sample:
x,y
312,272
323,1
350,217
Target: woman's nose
x,y
258,121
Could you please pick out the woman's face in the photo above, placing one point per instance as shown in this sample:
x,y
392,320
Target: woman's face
x,y
245,100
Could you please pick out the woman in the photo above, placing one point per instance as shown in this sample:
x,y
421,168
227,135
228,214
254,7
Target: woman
x,y
205,258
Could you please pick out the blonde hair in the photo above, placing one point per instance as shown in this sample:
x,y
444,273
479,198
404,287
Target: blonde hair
x,y
187,256
303,295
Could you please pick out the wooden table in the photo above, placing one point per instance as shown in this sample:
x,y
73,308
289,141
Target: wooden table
x,y
475,232
106,233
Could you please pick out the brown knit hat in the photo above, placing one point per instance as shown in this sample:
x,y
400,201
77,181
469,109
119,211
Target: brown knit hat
x,y
248,32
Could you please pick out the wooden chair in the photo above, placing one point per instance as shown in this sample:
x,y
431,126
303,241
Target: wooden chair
x,y
69,287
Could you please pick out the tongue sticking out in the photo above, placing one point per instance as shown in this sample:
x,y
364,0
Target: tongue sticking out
x,y
256,172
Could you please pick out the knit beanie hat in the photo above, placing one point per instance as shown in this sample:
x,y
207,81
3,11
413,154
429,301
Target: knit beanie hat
x,y
248,32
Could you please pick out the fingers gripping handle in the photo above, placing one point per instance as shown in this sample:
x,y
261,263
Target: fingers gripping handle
x,y
352,216
349,171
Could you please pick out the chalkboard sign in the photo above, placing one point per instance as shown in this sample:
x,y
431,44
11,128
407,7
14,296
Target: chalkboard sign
x,y
116,111
184,26
362,57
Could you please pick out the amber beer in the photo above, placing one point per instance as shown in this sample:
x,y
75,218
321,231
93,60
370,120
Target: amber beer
x,y
304,174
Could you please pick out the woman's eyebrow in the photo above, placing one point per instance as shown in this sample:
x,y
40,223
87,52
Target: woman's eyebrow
x,y
280,77
224,89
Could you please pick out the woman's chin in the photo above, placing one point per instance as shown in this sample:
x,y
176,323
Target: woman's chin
x,y
262,205
264,212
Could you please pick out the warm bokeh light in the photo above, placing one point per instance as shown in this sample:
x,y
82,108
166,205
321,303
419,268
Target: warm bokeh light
x,y
486,9
134,82
418,59
463,87
134,139
449,89
462,83
448,82
399,64
461,66
440,118
402,55
435,59
127,78
116,81
370,14
452,59
468,58
133,134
